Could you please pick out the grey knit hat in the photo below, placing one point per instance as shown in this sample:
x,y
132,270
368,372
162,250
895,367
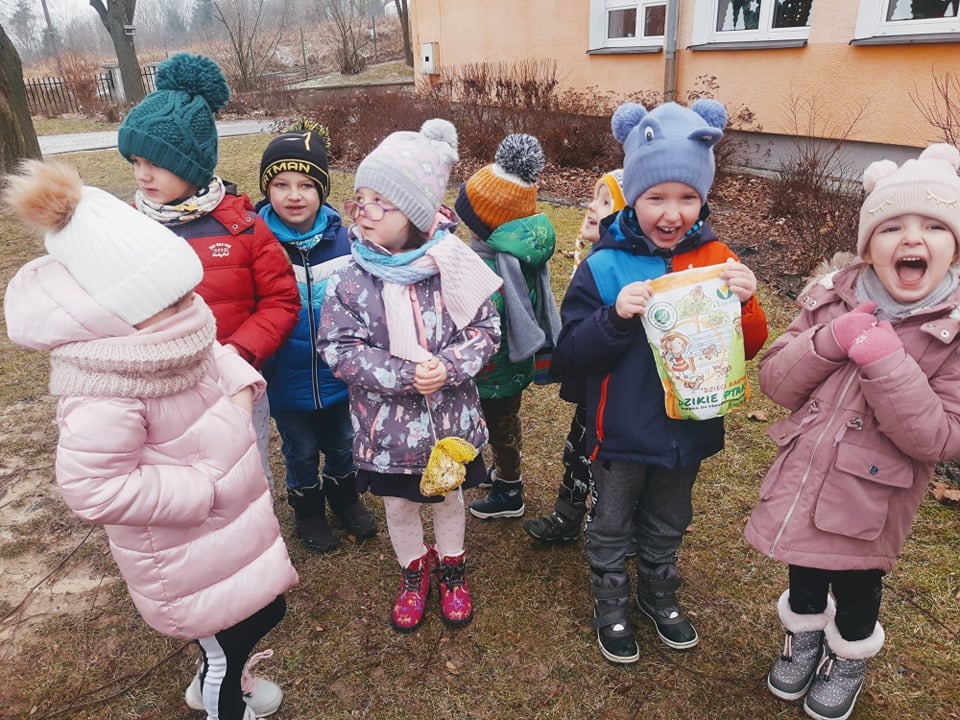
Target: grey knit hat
x,y
410,169
670,143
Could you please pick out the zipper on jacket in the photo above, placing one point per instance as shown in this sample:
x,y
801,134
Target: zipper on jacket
x,y
601,406
312,323
806,474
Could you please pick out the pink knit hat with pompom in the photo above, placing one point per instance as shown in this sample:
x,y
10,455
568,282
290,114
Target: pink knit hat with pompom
x,y
927,186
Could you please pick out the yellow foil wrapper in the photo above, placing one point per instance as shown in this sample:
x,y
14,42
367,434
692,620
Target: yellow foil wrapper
x,y
446,468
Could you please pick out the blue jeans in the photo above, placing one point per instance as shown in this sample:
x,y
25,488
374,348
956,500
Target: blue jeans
x,y
306,434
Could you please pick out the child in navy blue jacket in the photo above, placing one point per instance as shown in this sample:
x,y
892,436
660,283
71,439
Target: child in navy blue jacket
x,y
641,457
307,402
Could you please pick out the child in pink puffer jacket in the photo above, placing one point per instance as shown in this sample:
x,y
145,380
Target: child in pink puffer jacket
x,y
156,442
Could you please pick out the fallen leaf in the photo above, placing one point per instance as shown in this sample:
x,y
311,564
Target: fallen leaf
x,y
452,668
757,416
945,493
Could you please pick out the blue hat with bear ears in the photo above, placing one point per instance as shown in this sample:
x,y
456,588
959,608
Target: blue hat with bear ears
x,y
670,143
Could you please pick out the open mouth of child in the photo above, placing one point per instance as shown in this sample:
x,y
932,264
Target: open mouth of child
x,y
910,270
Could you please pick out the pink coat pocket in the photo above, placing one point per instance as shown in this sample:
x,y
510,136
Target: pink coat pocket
x,y
856,492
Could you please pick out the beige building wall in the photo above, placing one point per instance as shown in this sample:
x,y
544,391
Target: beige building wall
x,y
815,90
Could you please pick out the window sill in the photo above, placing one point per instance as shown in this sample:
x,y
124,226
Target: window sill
x,y
914,39
633,50
750,45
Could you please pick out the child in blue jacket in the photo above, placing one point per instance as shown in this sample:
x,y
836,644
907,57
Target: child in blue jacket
x,y
307,402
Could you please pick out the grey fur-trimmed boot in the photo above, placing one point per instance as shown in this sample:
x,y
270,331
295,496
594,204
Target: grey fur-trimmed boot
x,y
793,671
839,677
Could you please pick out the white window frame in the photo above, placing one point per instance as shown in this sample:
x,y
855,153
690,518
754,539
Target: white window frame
x,y
598,25
705,22
872,22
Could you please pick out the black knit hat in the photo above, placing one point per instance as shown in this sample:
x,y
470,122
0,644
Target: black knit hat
x,y
303,151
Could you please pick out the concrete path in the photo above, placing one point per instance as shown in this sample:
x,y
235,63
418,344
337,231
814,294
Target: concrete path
x,y
78,142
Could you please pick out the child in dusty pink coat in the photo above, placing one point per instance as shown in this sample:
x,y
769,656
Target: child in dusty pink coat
x,y
143,387
870,372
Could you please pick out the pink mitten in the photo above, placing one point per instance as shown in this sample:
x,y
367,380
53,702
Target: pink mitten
x,y
875,344
850,326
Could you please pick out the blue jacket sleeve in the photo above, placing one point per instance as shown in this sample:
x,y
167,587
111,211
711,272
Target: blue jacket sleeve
x,y
592,340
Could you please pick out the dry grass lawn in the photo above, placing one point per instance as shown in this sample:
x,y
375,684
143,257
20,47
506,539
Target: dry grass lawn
x,y
72,645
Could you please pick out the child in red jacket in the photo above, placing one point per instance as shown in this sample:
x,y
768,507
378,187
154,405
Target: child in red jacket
x,y
248,282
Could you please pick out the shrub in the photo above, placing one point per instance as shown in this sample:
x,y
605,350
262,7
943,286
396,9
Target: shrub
x,y
813,191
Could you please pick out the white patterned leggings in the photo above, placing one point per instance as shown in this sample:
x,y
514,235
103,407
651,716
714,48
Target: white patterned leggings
x,y
406,526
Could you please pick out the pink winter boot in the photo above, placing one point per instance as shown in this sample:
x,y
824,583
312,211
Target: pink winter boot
x,y
414,589
455,603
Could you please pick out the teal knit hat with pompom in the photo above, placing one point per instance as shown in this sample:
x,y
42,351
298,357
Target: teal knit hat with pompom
x,y
173,127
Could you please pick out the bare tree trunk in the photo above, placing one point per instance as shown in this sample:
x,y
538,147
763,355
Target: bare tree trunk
x,y
18,139
115,16
403,11
52,35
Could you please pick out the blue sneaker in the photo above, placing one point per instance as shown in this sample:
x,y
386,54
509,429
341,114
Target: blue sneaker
x,y
505,500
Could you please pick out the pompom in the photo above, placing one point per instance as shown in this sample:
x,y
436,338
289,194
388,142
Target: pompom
x,y
713,112
44,194
312,126
626,118
196,75
875,172
521,155
942,151
440,130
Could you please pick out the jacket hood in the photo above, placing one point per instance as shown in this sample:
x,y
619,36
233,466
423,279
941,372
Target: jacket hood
x,y
622,232
823,272
531,240
44,308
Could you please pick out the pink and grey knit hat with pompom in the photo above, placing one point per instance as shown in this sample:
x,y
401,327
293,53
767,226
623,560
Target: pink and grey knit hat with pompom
x,y
411,169
927,186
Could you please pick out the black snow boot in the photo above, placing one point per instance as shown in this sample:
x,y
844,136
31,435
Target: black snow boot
x,y
562,525
611,595
310,518
657,598
342,495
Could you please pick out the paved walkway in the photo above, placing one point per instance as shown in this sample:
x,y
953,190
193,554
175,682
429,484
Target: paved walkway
x,y
78,142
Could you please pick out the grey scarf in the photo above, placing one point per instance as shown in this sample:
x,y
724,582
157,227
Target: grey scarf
x,y
529,328
869,287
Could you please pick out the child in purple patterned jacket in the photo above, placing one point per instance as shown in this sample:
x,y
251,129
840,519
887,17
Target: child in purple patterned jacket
x,y
407,325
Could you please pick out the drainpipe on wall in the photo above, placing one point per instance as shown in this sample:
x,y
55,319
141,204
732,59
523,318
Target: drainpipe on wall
x,y
670,52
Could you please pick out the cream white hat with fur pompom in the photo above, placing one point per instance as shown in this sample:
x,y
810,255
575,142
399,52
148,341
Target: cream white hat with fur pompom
x,y
927,186
129,264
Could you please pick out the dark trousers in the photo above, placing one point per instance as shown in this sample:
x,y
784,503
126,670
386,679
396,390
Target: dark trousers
x,y
308,433
224,656
502,416
577,476
857,594
650,502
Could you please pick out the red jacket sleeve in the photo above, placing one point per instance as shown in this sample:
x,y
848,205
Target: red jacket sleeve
x,y
277,300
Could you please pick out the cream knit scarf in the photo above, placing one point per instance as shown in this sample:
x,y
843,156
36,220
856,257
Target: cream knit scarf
x,y
158,361
205,201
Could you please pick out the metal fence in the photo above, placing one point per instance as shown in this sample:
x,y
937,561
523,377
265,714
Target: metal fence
x,y
54,96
